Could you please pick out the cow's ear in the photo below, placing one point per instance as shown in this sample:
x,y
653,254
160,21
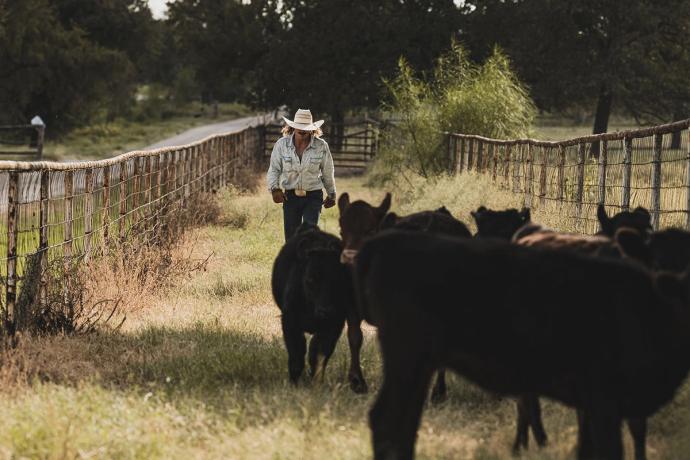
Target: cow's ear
x,y
385,205
642,212
476,215
388,221
525,215
603,218
343,202
444,210
632,245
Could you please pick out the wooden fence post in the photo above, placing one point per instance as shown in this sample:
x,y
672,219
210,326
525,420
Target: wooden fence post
x,y
105,212
470,147
580,178
687,185
461,160
43,233
67,224
561,173
506,171
122,228
12,232
529,177
88,212
656,181
603,160
136,190
627,170
517,166
493,154
480,156
148,184
542,174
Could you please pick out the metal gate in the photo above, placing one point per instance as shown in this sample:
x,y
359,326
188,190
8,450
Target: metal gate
x,y
353,149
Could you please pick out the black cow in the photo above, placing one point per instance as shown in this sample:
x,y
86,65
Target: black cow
x,y
614,345
499,224
638,219
359,220
314,293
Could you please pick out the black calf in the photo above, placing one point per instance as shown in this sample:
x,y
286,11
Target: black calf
x,y
313,291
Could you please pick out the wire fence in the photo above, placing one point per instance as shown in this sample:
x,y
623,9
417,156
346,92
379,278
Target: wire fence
x,y
74,210
647,167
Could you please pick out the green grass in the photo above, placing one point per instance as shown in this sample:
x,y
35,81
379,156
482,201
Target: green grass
x,y
202,372
110,139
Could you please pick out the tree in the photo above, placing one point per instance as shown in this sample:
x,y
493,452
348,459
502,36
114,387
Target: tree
x,y
603,53
331,55
55,72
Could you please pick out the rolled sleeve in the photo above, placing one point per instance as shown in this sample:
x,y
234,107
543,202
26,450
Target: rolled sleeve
x,y
328,172
275,167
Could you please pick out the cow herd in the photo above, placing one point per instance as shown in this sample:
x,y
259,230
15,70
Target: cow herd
x,y
600,323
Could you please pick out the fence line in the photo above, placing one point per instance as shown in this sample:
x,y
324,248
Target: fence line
x,y
73,210
647,167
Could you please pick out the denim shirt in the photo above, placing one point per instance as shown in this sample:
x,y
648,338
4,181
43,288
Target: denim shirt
x,y
315,171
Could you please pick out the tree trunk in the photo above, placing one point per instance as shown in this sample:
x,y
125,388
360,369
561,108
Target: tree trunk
x,y
601,118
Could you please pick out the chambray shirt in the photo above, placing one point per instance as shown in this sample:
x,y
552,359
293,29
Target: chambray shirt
x,y
315,171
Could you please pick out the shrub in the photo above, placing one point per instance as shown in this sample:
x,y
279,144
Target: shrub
x,y
460,97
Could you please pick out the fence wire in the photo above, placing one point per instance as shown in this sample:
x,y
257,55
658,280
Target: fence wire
x,y
647,167
72,211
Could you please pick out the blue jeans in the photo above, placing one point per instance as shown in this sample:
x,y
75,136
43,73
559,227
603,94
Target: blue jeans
x,y
298,209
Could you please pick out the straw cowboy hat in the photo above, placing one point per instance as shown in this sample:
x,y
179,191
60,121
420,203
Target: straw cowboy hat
x,y
303,121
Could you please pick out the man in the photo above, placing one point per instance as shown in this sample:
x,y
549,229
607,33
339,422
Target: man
x,y
301,166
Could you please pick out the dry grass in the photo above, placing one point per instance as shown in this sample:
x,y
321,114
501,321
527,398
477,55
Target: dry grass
x,y
200,370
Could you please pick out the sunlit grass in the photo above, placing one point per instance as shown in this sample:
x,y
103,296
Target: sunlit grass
x,y
202,373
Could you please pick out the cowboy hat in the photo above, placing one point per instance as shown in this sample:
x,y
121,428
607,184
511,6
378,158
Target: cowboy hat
x,y
303,121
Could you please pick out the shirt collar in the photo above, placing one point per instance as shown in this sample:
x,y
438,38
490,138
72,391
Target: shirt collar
x,y
292,142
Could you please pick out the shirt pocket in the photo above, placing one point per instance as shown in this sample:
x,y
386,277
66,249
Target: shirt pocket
x,y
315,163
287,163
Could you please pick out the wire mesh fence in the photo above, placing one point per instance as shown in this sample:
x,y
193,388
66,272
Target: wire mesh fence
x,y
72,211
647,167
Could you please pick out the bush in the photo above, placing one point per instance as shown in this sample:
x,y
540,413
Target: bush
x,y
460,97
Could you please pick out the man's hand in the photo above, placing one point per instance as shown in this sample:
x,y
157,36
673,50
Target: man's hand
x,y
329,202
278,196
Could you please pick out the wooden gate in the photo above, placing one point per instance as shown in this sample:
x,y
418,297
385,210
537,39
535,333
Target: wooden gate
x,y
354,149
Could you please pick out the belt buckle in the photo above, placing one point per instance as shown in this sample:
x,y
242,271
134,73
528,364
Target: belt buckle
x,y
300,192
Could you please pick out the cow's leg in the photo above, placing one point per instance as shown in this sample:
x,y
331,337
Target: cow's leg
x,y
296,347
355,339
395,416
322,349
604,426
522,431
585,449
439,392
313,351
638,430
534,414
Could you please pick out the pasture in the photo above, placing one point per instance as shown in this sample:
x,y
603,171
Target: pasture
x,y
202,372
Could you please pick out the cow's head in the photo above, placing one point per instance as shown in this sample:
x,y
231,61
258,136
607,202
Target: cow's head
x,y
358,221
638,219
499,224
324,280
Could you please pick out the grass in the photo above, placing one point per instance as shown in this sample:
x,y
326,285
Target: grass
x,y
110,139
202,373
